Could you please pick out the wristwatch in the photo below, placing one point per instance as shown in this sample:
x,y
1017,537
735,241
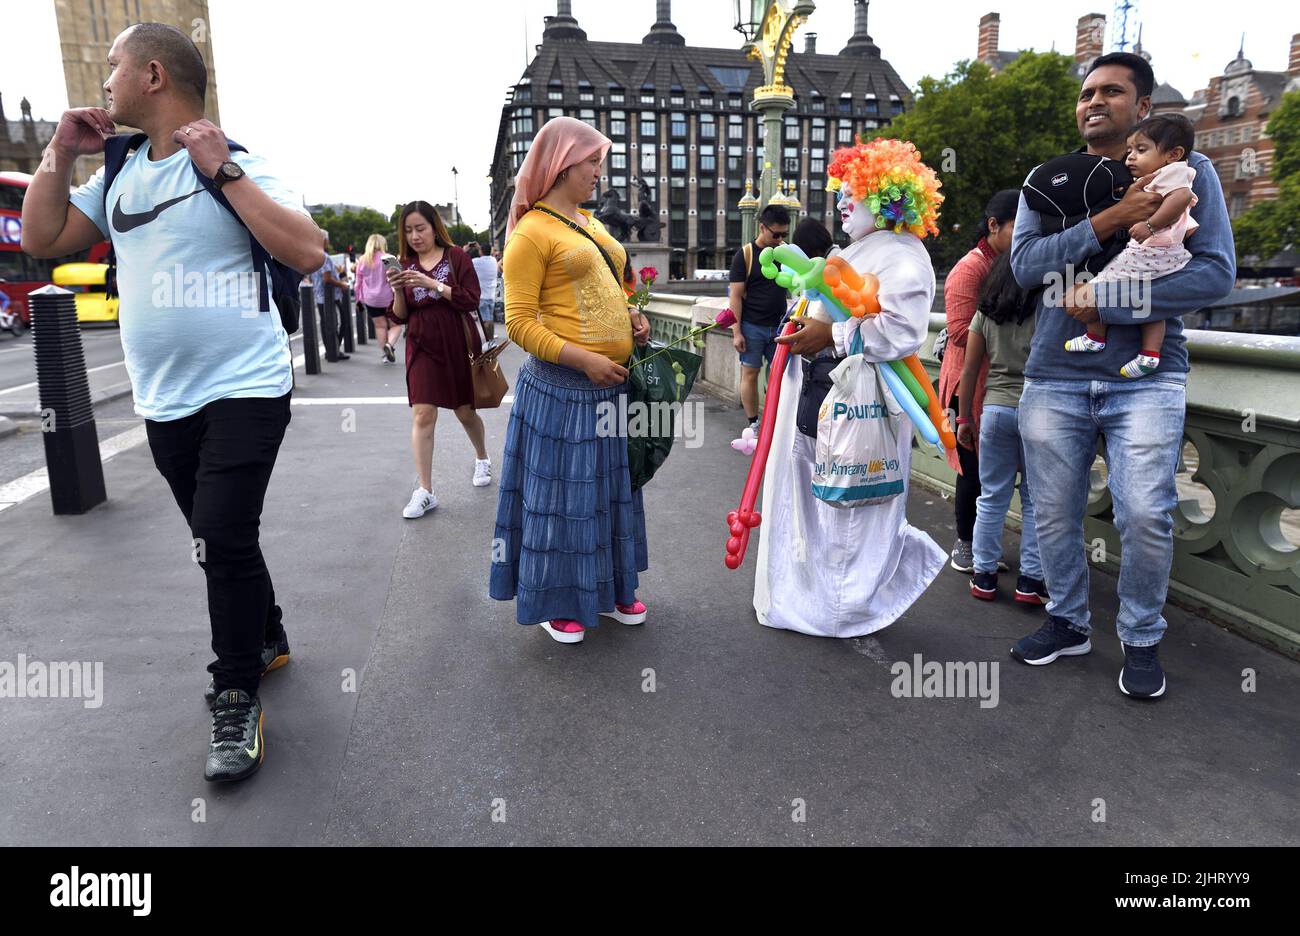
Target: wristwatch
x,y
228,171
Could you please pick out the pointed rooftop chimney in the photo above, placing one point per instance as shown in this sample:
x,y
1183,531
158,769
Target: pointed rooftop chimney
x,y
563,25
860,43
663,31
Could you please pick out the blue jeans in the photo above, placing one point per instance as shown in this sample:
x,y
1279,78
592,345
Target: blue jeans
x,y
1001,455
760,342
1142,421
485,310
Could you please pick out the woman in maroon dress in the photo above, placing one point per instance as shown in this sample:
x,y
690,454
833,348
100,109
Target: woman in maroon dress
x,y
433,294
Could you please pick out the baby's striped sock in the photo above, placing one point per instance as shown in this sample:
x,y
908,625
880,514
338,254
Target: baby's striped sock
x,y
1087,342
1147,362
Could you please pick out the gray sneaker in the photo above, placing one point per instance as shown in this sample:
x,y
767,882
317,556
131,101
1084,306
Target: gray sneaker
x,y
963,559
236,748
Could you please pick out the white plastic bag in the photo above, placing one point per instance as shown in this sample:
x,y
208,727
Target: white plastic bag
x,y
857,439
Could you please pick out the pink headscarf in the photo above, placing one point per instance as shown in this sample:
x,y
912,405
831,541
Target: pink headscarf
x,y
562,142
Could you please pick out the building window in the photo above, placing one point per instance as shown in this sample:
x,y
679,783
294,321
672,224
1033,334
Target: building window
x,y
706,97
678,125
708,159
585,94
619,184
555,91
678,154
845,134
872,108
791,129
708,127
735,160
790,162
523,91
895,105
554,112
615,94
735,127
648,94
817,200
648,162
618,123
649,126
1236,204
677,97
818,103
819,130
588,117
817,162
846,103
734,100
618,157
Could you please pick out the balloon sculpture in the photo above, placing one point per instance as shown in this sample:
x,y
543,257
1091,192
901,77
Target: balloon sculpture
x,y
844,292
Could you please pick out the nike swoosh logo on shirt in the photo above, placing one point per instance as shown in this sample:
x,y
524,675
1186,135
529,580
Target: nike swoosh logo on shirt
x,y
123,222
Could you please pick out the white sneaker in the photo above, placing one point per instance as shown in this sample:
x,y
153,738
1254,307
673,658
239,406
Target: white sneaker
x,y
482,472
421,502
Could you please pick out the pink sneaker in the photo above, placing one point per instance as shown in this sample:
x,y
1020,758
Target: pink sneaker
x,y
565,632
627,614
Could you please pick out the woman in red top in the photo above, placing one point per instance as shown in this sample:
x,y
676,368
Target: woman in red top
x,y
960,291
433,294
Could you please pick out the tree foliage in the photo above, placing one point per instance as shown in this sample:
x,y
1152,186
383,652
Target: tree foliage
x,y
353,228
1274,226
982,132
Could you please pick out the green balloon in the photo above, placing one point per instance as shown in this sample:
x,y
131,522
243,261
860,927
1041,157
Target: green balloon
x,y
784,279
765,257
769,270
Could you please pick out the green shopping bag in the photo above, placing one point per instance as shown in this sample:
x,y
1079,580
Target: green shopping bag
x,y
663,380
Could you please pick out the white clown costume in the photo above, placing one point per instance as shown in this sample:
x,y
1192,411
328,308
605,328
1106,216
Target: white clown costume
x,y
829,571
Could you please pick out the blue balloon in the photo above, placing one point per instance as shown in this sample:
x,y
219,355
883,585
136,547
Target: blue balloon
x,y
908,404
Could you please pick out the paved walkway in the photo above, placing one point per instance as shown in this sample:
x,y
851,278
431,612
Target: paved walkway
x,y
460,715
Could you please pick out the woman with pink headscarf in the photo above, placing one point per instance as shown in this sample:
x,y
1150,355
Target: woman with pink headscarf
x,y
570,531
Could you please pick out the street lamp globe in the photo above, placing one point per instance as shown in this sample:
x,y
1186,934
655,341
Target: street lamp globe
x,y
749,17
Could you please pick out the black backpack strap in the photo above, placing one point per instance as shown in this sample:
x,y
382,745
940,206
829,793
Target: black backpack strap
x,y
261,259
116,150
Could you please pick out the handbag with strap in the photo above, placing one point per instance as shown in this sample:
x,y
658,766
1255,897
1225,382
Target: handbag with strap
x,y
489,381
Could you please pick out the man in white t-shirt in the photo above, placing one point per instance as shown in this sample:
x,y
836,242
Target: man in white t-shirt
x,y
208,358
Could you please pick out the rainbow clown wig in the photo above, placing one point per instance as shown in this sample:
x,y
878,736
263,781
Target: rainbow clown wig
x,y
889,178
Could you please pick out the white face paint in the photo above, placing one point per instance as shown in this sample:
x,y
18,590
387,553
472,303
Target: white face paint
x,y
854,215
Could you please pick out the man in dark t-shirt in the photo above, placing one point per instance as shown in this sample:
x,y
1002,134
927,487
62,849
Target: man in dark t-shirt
x,y
758,304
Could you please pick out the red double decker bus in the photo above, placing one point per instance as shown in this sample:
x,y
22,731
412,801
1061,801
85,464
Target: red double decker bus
x,y
19,273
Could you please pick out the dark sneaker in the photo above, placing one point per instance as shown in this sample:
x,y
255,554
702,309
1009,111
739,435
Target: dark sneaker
x,y
1054,639
984,585
1031,591
274,656
236,749
1142,676
963,558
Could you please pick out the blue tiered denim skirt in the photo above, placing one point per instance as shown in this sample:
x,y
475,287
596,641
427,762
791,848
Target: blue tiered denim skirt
x,y
570,532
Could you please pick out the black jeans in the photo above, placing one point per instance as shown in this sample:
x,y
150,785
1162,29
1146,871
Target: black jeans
x,y
218,463
968,488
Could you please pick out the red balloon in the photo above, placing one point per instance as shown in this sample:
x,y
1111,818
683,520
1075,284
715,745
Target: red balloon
x,y
755,519
733,545
737,528
731,518
732,561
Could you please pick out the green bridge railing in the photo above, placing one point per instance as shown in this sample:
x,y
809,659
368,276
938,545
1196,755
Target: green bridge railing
x,y
1237,524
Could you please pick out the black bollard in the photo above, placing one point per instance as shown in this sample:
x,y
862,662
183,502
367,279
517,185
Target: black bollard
x,y
329,325
310,340
67,416
361,322
370,326
345,302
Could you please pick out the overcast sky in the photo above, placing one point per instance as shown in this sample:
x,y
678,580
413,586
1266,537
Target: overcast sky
x,y
373,101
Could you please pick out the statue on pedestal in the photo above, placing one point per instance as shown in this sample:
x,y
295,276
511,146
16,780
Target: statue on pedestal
x,y
620,224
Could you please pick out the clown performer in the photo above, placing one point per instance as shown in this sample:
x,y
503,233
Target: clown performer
x,y
824,570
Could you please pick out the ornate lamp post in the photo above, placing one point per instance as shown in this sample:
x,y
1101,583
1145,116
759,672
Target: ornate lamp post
x,y
768,27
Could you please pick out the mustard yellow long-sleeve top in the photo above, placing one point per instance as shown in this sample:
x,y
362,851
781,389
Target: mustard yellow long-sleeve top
x,y
559,289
